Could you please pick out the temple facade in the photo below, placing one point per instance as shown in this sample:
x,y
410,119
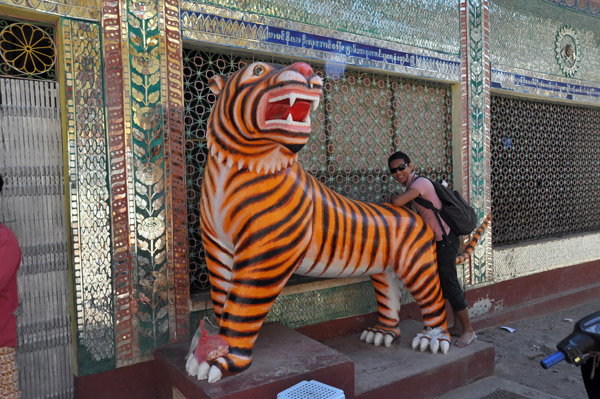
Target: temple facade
x,y
103,110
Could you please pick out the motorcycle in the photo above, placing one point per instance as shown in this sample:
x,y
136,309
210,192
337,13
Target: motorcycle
x,y
581,348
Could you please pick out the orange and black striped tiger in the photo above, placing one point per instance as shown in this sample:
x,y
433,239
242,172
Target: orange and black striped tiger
x,y
263,217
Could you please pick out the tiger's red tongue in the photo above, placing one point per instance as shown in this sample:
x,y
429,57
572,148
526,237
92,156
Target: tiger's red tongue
x,y
281,110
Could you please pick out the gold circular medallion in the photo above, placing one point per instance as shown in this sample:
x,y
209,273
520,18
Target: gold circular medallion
x,y
27,48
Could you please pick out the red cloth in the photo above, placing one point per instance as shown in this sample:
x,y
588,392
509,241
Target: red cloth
x,y
210,347
10,259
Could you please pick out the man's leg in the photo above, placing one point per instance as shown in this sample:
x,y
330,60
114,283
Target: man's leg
x,y
447,251
468,334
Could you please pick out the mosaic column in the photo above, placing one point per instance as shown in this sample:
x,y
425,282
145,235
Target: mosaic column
x,y
155,81
149,175
88,196
126,341
172,87
475,133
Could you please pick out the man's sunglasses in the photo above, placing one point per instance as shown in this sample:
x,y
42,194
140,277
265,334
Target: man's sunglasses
x,y
398,169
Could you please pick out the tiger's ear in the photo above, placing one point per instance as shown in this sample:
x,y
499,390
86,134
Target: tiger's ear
x,y
216,84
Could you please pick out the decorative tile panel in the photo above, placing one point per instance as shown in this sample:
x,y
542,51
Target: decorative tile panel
x,y
591,7
428,24
527,82
475,143
82,9
149,175
530,258
523,36
220,26
177,248
89,202
322,305
125,339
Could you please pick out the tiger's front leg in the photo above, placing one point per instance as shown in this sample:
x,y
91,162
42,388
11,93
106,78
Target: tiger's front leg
x,y
248,303
257,278
219,263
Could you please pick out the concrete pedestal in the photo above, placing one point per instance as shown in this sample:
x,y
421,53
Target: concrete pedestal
x,y
400,372
284,357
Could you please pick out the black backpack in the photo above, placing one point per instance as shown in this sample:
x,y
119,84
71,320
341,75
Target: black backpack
x,y
456,212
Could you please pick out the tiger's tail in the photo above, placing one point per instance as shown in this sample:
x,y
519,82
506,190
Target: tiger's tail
x,y
468,249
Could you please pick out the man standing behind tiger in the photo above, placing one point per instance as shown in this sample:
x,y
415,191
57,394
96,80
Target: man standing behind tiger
x,y
10,259
447,250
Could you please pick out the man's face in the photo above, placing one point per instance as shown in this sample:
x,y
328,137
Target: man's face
x,y
401,176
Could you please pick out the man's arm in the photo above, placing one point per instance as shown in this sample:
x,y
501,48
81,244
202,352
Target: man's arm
x,y
405,197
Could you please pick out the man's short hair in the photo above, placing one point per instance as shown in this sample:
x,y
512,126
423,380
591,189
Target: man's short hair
x,y
398,155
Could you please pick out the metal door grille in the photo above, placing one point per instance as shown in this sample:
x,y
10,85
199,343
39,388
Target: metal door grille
x,y
33,206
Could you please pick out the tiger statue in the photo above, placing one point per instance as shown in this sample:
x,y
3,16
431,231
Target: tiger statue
x,y
263,217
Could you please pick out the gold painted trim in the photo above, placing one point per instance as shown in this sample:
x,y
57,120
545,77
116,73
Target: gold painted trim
x,y
90,10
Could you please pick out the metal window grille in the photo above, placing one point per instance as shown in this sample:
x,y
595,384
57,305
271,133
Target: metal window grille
x,y
545,166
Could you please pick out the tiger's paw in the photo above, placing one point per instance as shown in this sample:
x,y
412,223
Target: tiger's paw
x,y
203,371
433,338
223,366
379,335
196,369
214,374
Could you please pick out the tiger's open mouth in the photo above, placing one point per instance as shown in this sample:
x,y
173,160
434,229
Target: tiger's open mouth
x,y
290,110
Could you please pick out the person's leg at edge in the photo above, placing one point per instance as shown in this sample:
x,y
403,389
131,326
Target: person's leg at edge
x,y
452,290
457,329
468,334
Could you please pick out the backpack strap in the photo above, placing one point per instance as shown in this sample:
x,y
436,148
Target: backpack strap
x,y
429,205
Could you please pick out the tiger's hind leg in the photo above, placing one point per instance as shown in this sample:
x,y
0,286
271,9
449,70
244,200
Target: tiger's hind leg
x,y
421,279
388,294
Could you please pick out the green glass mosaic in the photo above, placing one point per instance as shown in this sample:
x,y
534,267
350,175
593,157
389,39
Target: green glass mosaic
x,y
318,306
314,307
523,35
427,24
476,17
148,160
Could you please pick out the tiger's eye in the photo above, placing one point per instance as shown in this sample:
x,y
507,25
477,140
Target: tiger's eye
x,y
259,70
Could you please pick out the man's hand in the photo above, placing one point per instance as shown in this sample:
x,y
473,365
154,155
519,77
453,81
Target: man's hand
x,y
404,198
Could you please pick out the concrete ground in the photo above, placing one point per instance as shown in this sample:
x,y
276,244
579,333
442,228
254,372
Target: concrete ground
x,y
518,374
